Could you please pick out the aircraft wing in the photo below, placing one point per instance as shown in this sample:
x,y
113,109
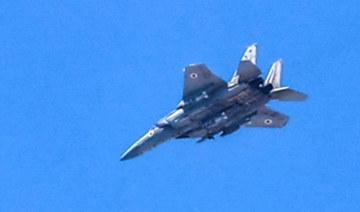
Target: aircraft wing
x,y
266,117
197,79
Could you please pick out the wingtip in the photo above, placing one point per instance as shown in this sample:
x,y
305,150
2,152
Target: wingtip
x,y
254,44
305,97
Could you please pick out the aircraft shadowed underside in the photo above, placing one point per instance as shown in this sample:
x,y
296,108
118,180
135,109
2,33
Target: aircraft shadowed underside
x,y
210,105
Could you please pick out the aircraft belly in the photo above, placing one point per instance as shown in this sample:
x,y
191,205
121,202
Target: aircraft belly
x,y
198,133
183,122
205,112
226,120
226,114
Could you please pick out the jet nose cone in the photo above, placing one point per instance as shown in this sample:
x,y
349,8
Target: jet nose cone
x,y
125,157
129,154
133,151
154,137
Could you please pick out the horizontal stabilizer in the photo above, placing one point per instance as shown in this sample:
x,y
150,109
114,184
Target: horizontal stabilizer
x,y
287,94
266,117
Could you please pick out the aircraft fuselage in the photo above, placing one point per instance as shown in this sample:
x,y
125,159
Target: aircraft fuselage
x,y
210,105
226,110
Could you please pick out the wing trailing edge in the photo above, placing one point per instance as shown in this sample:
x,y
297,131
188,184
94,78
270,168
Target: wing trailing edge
x,y
199,79
266,117
287,94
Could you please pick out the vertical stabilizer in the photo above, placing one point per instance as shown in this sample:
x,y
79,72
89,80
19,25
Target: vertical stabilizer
x,y
278,92
250,54
247,69
274,76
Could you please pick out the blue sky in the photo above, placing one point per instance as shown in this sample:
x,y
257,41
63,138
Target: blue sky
x,y
80,81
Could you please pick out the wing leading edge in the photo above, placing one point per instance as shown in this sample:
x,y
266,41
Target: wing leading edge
x,y
197,79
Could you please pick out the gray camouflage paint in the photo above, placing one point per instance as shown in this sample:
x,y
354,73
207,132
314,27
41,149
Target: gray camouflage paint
x,y
210,105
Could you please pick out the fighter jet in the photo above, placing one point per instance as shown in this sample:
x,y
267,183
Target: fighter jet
x,y
210,105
